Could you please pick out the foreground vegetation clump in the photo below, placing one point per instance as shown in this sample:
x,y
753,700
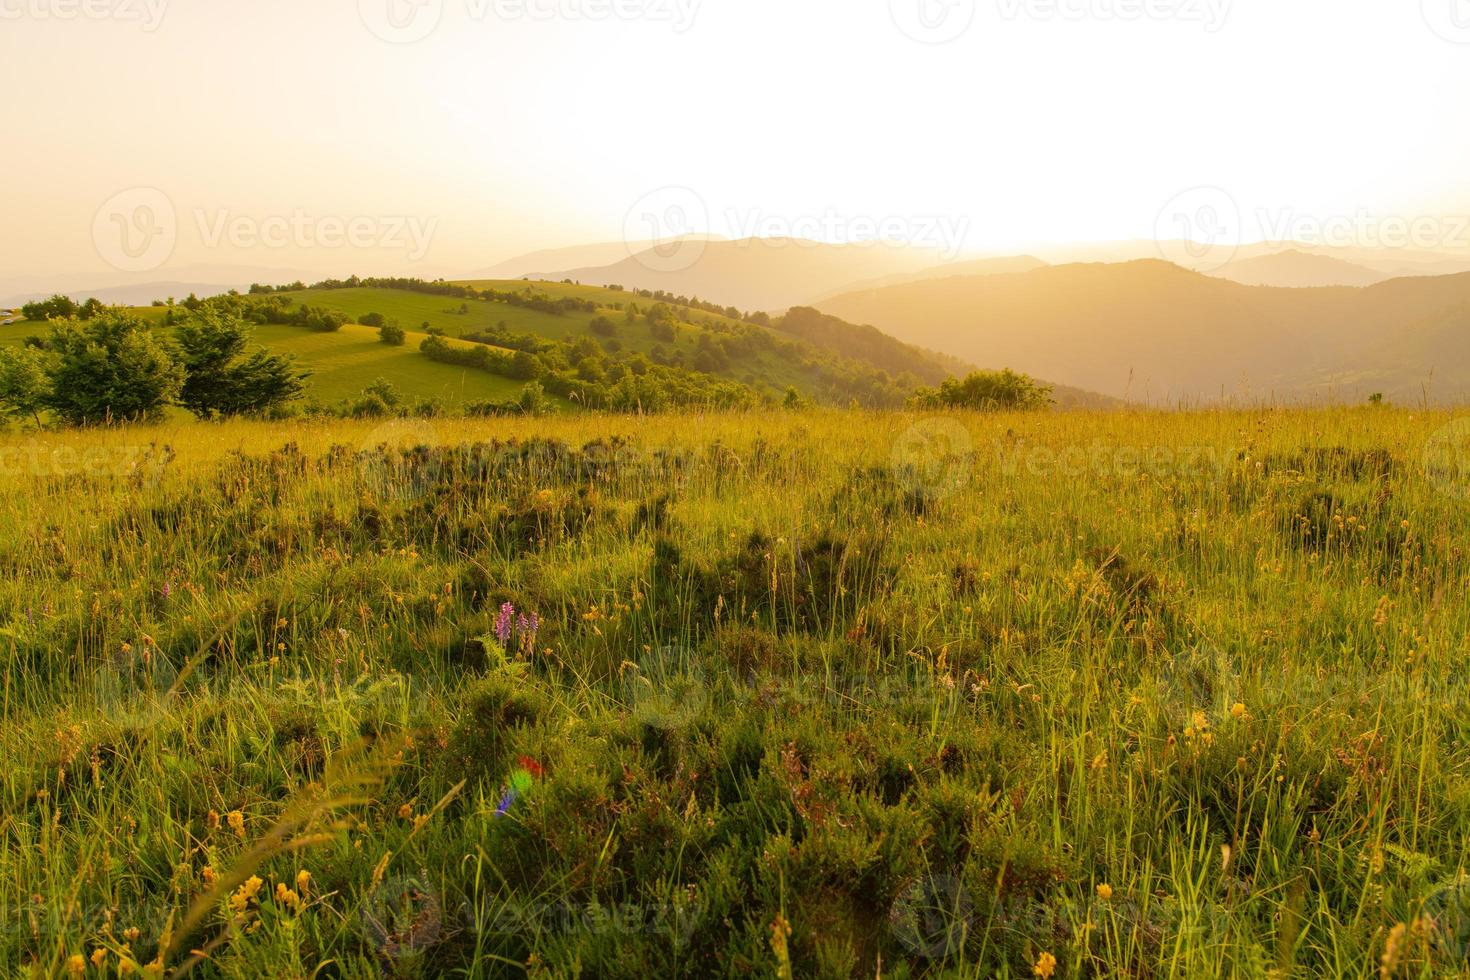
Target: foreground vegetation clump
x,y
813,693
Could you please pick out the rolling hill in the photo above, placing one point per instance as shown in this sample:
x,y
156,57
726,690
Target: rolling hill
x,y
487,338
756,273
970,267
1150,330
1294,268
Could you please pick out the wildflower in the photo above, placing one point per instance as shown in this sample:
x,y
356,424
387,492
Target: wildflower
x,y
1105,891
211,820
245,894
1237,711
99,956
131,934
503,623
303,881
209,876
405,811
76,964
286,897
1045,966
236,820
419,821
1388,964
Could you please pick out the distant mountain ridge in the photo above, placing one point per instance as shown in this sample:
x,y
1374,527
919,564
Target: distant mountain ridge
x,y
1150,330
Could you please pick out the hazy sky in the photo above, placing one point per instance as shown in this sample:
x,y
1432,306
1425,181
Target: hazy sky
x,y
428,136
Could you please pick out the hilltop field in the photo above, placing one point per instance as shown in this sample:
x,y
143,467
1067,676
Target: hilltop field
x,y
815,693
586,346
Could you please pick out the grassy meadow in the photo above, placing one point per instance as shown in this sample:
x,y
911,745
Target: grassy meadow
x,y
809,694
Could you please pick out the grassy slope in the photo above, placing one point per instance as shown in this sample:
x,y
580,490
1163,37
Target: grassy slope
x,y
765,371
1025,692
346,362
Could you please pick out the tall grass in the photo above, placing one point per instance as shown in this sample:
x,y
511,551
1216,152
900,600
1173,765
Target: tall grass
x,y
1155,695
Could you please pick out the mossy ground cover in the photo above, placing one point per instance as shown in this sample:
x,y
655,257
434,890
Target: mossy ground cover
x,y
822,694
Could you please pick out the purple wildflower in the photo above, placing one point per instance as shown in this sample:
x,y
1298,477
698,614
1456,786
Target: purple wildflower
x,y
503,623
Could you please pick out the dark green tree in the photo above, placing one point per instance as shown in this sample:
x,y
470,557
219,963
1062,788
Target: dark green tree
x,y
221,379
110,369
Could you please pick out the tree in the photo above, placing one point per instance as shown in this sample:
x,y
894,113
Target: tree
x,y
533,400
57,307
525,366
392,334
604,327
220,380
987,390
111,369
25,382
373,320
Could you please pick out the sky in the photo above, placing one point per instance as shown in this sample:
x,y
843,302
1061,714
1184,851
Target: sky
x,y
428,137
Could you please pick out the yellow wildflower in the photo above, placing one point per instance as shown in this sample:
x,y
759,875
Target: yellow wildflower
x,y
1045,966
76,964
236,820
1105,891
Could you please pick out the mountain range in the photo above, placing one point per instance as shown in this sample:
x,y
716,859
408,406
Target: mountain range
x,y
1152,331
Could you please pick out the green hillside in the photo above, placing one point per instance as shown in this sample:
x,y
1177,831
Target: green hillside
x,y
833,366
343,363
